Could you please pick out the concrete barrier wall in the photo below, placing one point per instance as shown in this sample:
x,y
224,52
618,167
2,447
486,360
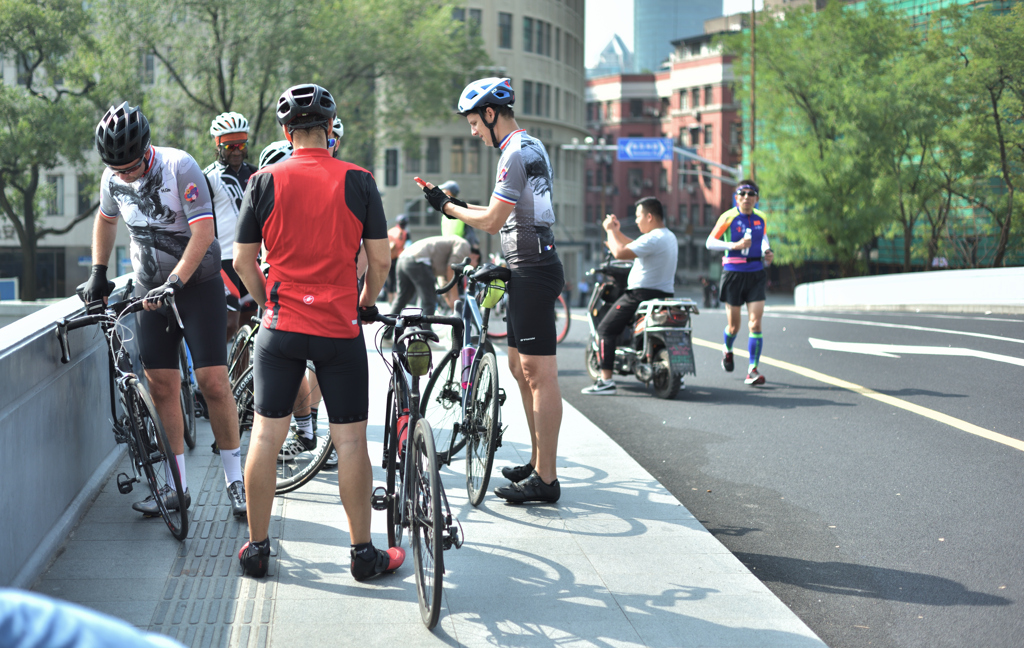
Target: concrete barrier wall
x,y
12,311
56,444
992,289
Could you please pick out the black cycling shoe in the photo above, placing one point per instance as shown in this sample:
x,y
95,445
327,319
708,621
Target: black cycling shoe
x,y
255,558
531,489
149,507
517,473
380,562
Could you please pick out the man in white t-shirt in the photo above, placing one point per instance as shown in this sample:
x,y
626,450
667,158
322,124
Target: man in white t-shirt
x,y
652,277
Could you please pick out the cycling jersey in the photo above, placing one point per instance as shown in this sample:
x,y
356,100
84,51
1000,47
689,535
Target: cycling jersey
x,y
226,212
311,211
730,228
524,180
159,209
234,181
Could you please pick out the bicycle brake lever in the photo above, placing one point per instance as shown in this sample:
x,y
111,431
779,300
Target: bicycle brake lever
x,y
62,337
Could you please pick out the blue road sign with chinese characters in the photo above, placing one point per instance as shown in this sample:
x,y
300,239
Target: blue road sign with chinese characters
x,y
645,149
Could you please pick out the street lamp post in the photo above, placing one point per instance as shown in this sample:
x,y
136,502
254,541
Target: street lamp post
x,y
753,113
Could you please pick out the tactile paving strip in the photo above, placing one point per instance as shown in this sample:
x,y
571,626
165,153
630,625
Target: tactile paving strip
x,y
207,603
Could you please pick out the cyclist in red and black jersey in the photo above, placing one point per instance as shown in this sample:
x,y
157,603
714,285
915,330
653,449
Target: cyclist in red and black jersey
x,y
310,211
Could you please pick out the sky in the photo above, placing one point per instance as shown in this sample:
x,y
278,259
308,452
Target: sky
x,y
605,18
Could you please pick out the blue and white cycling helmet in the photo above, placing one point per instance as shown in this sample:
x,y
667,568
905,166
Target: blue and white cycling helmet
x,y
492,91
339,128
275,152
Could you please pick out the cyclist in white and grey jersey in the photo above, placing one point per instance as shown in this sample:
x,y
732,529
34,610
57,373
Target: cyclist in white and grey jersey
x,y
520,209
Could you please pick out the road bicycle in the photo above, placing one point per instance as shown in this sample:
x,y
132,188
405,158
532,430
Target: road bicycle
x,y
463,399
413,495
190,405
135,420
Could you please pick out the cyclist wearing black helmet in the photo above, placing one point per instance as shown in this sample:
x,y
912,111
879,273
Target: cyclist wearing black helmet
x,y
521,210
162,196
310,211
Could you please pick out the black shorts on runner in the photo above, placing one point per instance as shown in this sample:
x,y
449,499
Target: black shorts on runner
x,y
341,371
532,293
202,312
740,288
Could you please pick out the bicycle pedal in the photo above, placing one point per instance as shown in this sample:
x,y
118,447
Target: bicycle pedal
x,y
501,396
124,483
379,499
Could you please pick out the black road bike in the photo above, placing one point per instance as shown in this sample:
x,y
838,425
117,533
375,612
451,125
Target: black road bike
x,y
413,496
462,399
135,420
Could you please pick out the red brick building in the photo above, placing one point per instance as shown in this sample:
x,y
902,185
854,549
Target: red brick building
x,y
690,101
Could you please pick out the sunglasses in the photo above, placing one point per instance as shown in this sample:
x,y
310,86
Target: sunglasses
x,y
745,194
237,146
130,169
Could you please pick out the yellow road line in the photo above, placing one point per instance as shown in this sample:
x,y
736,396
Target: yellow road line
x,y
870,393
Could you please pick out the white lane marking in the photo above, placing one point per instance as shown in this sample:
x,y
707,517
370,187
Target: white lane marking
x,y
815,318
894,350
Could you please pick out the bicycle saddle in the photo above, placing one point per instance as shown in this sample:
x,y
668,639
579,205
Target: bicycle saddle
x,y
489,271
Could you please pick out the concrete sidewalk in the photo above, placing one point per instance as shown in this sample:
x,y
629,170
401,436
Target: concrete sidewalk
x,y
617,562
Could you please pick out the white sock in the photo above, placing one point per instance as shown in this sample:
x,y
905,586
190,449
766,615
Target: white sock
x,y
305,425
181,472
232,460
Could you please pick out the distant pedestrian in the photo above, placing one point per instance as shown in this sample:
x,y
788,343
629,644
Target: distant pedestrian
x,y
742,234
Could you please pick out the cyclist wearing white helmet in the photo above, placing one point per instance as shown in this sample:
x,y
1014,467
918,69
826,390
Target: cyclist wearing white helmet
x,y
334,143
520,209
275,152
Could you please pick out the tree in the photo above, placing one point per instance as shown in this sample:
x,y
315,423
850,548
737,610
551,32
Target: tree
x,y
230,55
821,86
990,51
48,116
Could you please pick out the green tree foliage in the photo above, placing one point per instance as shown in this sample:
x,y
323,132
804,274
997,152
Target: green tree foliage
x,y
48,116
239,55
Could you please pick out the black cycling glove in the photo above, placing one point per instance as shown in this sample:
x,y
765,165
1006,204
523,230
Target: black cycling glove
x,y
157,294
368,313
97,288
438,199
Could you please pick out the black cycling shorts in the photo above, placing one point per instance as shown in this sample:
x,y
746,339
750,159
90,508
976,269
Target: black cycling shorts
x,y
532,293
740,288
202,312
341,371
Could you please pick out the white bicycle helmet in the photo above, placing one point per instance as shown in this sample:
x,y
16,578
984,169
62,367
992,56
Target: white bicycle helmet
x,y
492,91
339,128
227,123
275,152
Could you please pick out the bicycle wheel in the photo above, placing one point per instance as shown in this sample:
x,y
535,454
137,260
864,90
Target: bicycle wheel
x,y
301,468
155,458
240,356
427,532
497,327
188,398
441,404
394,475
482,427
562,318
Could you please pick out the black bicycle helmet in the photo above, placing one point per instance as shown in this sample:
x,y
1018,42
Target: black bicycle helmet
x,y
122,136
306,100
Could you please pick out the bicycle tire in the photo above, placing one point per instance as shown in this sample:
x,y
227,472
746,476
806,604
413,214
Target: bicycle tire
x,y
441,404
240,355
427,532
393,476
497,326
563,317
294,473
154,448
188,398
482,427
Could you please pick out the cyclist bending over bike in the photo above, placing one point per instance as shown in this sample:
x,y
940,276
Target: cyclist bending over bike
x,y
652,276
163,198
310,212
521,210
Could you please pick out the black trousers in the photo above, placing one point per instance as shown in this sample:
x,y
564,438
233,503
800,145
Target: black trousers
x,y
618,318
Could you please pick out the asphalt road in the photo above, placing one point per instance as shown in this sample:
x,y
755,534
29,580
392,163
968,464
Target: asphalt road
x,y
877,518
